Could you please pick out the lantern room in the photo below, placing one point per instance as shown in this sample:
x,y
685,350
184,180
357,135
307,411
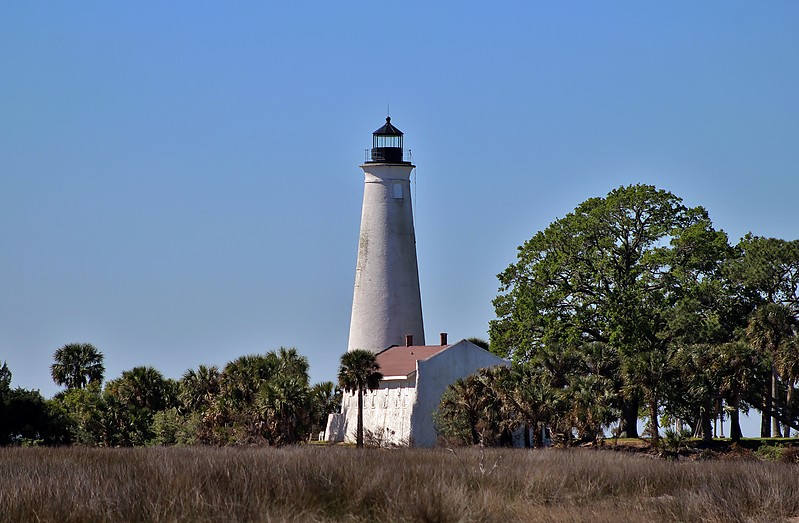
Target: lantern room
x,y
387,144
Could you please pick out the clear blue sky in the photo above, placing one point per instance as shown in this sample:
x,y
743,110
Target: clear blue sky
x,y
179,181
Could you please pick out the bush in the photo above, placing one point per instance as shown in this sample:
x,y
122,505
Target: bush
x,y
769,452
673,441
169,427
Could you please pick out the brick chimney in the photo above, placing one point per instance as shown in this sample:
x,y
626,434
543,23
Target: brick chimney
x,y
409,340
443,338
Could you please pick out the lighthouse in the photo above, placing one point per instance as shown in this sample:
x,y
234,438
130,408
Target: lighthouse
x,y
387,303
387,314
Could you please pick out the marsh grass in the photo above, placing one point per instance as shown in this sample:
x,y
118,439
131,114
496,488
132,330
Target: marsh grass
x,y
315,483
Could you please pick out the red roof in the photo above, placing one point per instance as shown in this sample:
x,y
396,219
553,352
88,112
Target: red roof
x,y
401,360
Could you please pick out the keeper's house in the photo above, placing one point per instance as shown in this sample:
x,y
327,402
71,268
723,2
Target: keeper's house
x,y
415,377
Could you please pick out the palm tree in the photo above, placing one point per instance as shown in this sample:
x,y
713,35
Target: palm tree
x,y
325,399
244,376
770,328
132,401
284,408
477,409
532,396
647,374
737,366
199,388
76,365
788,365
234,407
359,370
461,410
696,381
142,388
289,362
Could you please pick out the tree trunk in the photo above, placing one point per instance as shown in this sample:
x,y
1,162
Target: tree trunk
x,y
359,434
473,429
765,417
775,406
527,443
629,419
654,431
788,400
538,436
735,420
706,420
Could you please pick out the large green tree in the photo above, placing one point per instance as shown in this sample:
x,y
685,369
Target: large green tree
x,y
76,365
27,418
787,364
708,311
611,272
771,329
738,368
87,411
769,269
359,371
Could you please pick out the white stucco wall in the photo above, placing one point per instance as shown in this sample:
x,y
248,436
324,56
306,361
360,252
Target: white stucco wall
x,y
334,431
387,301
433,378
386,411
402,410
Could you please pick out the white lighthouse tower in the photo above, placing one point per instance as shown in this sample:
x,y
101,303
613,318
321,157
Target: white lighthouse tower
x,y
387,304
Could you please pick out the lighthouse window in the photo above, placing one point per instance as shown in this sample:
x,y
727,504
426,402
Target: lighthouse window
x,y
398,191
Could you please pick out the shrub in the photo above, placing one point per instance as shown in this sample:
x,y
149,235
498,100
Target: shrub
x,y
769,452
169,427
673,441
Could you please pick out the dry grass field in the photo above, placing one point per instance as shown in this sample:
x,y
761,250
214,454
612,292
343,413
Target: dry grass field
x,y
317,483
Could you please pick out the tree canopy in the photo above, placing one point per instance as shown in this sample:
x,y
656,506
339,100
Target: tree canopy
x,y
616,288
76,365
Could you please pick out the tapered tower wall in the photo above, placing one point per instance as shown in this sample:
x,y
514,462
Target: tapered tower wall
x,y
387,303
